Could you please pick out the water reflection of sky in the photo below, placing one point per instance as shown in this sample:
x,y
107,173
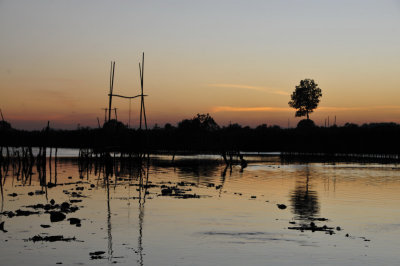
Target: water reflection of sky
x,y
235,222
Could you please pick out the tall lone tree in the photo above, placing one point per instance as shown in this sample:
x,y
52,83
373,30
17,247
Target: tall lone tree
x,y
305,97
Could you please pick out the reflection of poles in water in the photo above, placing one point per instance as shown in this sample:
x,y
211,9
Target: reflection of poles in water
x,y
223,178
55,167
108,174
142,200
51,151
109,234
304,200
1,185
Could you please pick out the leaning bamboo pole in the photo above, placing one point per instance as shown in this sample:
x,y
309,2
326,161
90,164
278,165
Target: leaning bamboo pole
x,y
142,107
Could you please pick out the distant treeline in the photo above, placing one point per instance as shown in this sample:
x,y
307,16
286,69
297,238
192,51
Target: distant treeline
x,y
202,134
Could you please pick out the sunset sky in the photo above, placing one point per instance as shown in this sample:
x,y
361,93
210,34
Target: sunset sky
x,y
237,60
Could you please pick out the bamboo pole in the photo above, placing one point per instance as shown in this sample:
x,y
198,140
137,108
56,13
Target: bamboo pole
x,y
112,71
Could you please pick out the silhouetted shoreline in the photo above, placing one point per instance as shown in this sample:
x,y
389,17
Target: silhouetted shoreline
x,y
375,138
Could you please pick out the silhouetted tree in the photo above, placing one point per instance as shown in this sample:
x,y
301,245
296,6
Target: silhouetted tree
x,y
305,97
199,122
4,125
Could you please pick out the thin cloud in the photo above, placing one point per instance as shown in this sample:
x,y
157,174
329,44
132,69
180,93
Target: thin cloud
x,y
361,108
288,109
248,87
249,109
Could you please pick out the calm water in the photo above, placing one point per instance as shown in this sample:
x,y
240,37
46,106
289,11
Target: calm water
x,y
229,216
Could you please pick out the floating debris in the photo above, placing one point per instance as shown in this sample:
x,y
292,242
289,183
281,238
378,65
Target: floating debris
x,y
2,227
321,219
97,255
24,213
51,238
177,192
313,227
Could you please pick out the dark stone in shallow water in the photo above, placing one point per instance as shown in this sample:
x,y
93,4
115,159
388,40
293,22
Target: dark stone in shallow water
x,y
65,206
281,206
45,226
13,194
52,201
75,221
31,193
166,192
77,195
57,216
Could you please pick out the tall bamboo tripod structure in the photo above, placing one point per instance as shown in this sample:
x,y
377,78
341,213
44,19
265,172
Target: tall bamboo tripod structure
x,y
142,95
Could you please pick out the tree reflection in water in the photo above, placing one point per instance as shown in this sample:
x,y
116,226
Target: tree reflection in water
x,y
304,201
